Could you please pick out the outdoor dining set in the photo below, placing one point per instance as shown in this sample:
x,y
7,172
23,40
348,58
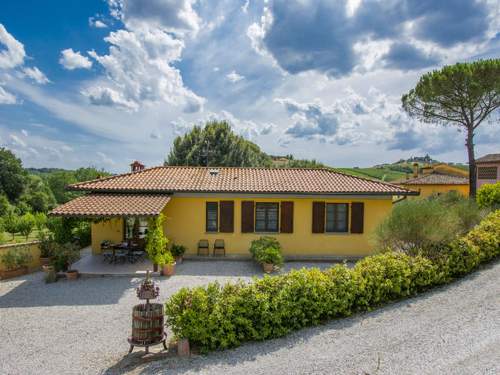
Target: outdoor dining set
x,y
122,252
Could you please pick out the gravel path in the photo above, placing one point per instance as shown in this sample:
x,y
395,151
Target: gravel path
x,y
81,327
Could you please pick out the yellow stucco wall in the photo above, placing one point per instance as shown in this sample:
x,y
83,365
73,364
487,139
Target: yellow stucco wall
x,y
185,224
428,190
111,230
33,249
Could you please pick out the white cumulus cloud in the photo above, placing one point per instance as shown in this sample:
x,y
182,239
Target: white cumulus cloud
x,y
234,77
177,16
36,75
71,60
97,23
13,53
139,70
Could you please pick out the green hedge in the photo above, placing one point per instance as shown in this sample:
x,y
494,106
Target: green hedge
x,y
220,317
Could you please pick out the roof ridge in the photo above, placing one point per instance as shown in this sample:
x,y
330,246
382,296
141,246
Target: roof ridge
x,y
113,176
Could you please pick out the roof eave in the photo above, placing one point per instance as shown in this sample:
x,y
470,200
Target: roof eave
x,y
142,191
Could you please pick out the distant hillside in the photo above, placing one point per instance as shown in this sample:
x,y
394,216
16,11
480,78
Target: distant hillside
x,y
378,173
43,171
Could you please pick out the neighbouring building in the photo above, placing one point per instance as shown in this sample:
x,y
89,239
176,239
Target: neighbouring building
x,y
312,212
488,169
437,179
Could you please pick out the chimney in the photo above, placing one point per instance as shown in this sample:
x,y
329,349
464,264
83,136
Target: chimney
x,y
415,170
136,166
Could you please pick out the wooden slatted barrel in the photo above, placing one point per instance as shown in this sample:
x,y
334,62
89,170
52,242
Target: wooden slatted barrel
x,y
147,324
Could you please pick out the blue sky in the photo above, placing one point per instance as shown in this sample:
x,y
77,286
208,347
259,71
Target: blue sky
x,y
103,83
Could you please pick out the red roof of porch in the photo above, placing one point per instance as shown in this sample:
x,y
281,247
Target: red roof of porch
x,y
110,205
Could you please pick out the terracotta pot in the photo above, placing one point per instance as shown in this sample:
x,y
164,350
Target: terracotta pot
x,y
183,348
168,269
45,261
72,274
178,259
47,268
268,267
7,274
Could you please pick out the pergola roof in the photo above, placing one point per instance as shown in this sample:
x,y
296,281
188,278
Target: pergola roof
x,y
113,205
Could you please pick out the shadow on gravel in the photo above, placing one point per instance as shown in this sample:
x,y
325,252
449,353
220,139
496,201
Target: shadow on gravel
x,y
31,290
164,363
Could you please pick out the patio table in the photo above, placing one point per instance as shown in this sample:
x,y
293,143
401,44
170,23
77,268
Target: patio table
x,y
115,247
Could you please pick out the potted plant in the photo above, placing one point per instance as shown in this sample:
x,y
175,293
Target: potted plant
x,y
16,262
64,256
156,242
46,246
167,263
270,257
178,252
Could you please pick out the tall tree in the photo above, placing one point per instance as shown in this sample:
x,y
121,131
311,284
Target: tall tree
x,y
12,175
216,145
58,181
464,94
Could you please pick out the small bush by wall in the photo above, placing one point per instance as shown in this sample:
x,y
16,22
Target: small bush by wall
x,y
488,195
425,224
220,317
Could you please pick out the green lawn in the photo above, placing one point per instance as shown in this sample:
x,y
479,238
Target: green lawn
x,y
7,238
383,174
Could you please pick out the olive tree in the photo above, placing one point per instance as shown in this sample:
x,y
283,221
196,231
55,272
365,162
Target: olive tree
x,y
464,95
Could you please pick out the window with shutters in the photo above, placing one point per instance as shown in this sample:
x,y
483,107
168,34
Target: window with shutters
x,y
266,217
336,217
212,224
487,173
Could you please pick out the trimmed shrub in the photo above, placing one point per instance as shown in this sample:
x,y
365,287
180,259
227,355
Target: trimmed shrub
x,y
219,317
156,242
270,255
488,196
178,250
16,258
263,243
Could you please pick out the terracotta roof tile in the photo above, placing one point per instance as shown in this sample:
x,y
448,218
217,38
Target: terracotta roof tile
x,y
110,205
436,179
240,180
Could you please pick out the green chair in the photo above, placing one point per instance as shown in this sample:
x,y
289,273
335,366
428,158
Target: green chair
x,y
203,247
219,246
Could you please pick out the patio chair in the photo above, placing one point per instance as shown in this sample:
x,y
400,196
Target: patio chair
x,y
219,246
121,256
203,247
107,253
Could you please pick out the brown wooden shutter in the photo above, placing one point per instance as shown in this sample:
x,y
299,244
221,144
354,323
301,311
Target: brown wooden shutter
x,y
226,217
286,217
318,219
247,216
357,217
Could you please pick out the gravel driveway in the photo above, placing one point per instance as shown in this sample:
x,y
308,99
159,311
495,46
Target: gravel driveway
x,y
81,328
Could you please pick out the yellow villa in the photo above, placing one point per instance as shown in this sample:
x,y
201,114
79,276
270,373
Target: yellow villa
x,y
312,212
437,179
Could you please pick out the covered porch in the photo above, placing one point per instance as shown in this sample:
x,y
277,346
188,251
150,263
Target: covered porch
x,y
94,265
119,228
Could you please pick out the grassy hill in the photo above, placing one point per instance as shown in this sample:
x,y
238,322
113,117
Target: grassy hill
x,y
378,173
